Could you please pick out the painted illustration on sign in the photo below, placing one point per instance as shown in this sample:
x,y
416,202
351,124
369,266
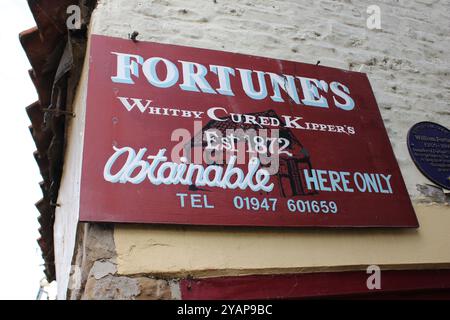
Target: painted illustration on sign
x,y
291,159
180,135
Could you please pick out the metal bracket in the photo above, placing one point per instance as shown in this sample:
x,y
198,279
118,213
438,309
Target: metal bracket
x,y
54,204
66,113
133,36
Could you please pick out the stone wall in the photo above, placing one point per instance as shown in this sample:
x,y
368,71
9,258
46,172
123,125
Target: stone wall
x,y
94,273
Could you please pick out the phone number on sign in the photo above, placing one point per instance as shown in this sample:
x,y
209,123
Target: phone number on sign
x,y
294,206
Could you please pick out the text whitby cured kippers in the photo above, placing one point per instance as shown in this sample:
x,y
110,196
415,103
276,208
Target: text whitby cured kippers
x,y
191,76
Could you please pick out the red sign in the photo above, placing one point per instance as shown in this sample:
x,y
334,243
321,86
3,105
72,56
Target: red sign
x,y
180,135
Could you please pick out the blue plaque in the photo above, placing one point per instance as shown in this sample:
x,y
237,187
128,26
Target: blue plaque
x,y
429,147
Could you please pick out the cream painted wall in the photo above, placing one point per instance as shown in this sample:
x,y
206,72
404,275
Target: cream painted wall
x,y
179,251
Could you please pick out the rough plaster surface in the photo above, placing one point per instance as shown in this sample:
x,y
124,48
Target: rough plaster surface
x,y
101,269
198,251
112,287
94,257
104,283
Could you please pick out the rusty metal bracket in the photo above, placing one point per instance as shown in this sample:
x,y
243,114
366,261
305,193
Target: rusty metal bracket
x,y
67,113
54,204
133,36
